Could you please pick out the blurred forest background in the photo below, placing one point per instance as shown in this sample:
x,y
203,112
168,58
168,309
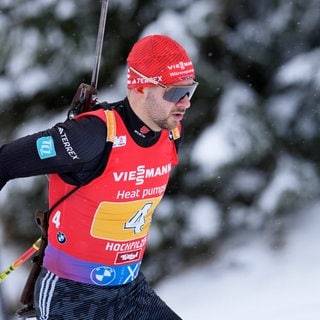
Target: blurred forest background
x,y
250,154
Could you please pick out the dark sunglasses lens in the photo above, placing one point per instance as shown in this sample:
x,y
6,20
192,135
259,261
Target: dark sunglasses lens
x,y
176,94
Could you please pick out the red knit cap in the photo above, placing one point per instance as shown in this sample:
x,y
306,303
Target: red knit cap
x,y
158,57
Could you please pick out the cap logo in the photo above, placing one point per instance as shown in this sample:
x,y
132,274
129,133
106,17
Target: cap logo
x,y
181,65
143,81
156,55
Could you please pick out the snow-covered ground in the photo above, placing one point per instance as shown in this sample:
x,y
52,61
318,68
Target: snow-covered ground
x,y
250,280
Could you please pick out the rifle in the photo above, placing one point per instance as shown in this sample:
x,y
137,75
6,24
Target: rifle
x,y
27,293
86,95
83,101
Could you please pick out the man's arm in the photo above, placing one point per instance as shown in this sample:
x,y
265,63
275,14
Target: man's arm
x,y
71,147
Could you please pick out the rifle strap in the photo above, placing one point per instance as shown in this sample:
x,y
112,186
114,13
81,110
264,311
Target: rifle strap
x,y
111,132
42,217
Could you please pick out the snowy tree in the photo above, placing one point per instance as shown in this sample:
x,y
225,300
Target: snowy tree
x,y
250,152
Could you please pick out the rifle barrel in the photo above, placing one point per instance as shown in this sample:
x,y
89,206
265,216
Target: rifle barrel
x,y
99,44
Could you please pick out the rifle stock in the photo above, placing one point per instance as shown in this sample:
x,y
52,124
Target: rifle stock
x,y
83,101
28,290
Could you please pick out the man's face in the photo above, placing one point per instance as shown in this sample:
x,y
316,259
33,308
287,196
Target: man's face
x,y
162,114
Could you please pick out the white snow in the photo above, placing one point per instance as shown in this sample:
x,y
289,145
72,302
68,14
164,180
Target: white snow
x,y
304,68
284,108
236,133
251,280
65,9
172,24
290,176
204,221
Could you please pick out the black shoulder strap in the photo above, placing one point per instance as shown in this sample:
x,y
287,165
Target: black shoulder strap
x,y
111,132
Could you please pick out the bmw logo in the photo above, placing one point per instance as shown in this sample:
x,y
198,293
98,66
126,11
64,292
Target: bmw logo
x,y
103,275
61,237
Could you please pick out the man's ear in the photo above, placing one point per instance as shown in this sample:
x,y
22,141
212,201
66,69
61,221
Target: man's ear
x,y
140,89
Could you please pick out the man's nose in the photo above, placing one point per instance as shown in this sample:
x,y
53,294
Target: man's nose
x,y
185,102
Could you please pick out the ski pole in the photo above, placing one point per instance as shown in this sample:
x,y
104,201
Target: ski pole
x,y
24,257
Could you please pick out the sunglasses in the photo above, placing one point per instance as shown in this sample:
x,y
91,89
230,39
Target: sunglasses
x,y
173,93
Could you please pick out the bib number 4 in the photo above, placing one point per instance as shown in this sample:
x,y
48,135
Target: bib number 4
x,y
123,221
56,219
139,219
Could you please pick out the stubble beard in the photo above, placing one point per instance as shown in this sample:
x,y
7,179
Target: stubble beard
x,y
156,112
